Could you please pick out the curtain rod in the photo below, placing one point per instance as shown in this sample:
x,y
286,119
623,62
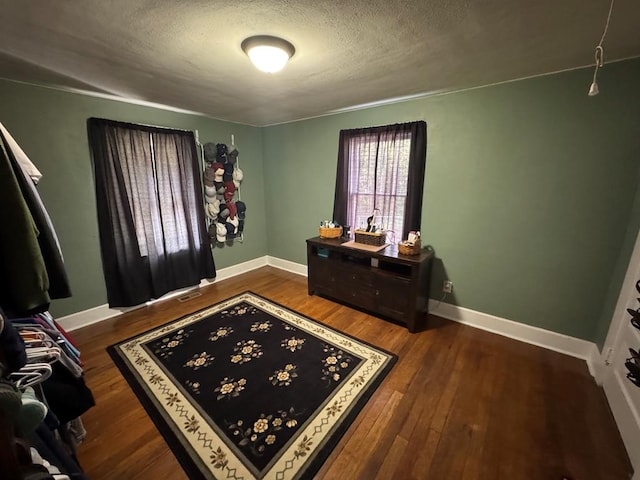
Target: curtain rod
x,y
131,124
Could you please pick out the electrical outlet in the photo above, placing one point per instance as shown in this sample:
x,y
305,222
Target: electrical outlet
x,y
447,286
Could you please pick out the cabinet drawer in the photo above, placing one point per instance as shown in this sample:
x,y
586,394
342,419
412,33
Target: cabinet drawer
x,y
324,274
359,295
359,277
395,297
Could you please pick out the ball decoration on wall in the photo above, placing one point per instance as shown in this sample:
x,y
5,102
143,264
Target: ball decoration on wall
x,y
225,211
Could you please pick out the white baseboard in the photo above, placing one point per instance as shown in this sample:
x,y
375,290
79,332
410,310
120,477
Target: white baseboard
x,y
238,269
557,342
501,326
287,265
90,316
103,312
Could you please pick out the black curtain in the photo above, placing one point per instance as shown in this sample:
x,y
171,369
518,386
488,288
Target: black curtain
x,y
153,235
415,182
341,195
415,177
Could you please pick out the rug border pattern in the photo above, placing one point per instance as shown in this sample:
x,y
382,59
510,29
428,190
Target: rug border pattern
x,y
345,402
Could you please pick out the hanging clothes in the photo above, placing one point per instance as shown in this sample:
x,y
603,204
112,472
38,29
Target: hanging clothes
x,y
12,350
26,164
33,271
40,406
24,283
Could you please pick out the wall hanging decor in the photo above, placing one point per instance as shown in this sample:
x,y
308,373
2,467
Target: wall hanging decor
x,y
222,177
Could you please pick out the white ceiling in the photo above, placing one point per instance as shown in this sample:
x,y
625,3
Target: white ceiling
x,y
186,54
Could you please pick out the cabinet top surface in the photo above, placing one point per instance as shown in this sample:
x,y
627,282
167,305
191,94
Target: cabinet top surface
x,y
390,252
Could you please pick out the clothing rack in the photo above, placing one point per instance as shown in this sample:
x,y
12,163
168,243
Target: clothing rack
x,y
36,355
35,442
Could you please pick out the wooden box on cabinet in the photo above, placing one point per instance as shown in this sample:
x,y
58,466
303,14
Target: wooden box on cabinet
x,y
386,283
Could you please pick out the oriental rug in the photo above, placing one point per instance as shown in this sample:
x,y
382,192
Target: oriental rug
x,y
249,389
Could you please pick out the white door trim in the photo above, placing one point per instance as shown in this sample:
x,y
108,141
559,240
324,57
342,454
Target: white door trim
x,y
623,396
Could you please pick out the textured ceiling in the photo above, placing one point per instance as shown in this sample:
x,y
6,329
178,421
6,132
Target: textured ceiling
x,y
351,52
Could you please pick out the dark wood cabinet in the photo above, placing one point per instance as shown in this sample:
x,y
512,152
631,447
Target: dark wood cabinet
x,y
386,283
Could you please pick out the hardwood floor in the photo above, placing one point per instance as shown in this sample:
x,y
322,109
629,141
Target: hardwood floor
x,y
460,403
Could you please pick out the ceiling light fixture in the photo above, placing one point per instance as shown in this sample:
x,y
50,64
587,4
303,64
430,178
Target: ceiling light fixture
x,y
267,53
599,55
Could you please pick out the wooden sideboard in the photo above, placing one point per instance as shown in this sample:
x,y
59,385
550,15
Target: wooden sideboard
x,y
386,283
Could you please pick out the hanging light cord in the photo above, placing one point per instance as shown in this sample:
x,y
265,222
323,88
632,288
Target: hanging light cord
x,y
599,53
606,27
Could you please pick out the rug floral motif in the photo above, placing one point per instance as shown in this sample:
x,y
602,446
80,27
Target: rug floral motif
x,y
248,389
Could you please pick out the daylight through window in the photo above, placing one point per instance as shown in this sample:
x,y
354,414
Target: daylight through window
x,y
381,170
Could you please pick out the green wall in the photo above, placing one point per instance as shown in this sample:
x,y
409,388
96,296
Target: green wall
x,y
50,126
528,197
531,198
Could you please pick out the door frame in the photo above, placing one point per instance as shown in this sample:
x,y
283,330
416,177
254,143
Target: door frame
x,y
623,397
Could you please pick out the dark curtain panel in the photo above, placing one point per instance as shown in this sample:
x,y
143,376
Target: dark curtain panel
x,y
368,163
415,183
341,196
152,230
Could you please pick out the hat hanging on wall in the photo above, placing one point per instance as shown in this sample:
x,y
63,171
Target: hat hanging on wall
x,y
209,190
210,152
220,188
230,191
241,208
221,152
224,212
222,178
237,177
230,230
218,169
213,209
232,154
209,172
234,222
233,211
221,232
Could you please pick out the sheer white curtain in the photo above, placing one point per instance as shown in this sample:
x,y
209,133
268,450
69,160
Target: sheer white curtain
x,y
378,169
152,230
381,169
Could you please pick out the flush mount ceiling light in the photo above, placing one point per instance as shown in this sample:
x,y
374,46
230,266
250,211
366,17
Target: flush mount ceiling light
x,y
267,53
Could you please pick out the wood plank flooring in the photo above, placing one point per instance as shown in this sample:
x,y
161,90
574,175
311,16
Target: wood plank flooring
x,y
460,403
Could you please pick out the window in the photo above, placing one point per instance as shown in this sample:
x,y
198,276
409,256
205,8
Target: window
x,y
378,179
381,170
158,198
153,235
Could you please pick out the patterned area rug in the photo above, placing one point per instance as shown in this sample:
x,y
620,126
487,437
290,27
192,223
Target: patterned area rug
x,y
249,389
